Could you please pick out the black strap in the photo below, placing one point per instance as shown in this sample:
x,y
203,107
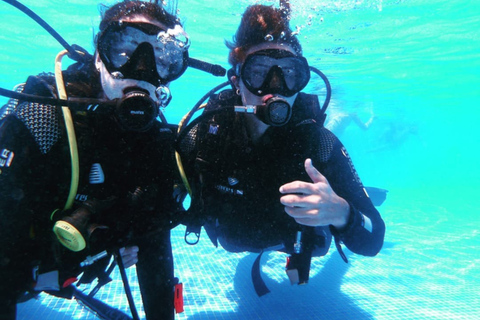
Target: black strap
x,y
258,283
336,237
103,279
126,285
307,108
102,309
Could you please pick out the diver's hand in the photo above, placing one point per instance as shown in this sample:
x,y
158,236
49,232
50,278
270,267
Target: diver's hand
x,y
314,204
129,256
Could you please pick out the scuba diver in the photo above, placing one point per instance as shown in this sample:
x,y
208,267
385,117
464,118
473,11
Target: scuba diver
x,y
265,174
99,170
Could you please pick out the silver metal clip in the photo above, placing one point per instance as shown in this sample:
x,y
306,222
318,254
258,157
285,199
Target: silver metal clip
x,y
297,247
91,259
246,109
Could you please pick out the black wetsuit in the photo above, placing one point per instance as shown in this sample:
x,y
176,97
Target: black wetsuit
x,y
238,184
130,174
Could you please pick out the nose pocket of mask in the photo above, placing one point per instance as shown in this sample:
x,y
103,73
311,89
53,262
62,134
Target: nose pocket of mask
x,y
142,65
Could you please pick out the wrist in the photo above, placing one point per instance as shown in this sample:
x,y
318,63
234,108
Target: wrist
x,y
344,216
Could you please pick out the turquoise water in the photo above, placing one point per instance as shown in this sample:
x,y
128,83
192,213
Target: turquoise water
x,y
415,65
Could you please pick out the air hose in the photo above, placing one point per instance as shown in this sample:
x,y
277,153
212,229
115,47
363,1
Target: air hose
x,y
67,234
72,139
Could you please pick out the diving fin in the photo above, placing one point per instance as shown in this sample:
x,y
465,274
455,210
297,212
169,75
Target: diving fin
x,y
377,195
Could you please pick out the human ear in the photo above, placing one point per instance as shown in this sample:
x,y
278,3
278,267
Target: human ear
x,y
97,61
235,82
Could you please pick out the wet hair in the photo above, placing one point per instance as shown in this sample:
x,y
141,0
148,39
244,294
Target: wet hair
x,y
151,10
261,24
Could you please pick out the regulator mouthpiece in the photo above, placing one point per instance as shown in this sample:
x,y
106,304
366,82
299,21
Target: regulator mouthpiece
x,y
137,111
275,112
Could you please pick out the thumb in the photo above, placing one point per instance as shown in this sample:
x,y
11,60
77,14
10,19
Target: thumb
x,y
313,173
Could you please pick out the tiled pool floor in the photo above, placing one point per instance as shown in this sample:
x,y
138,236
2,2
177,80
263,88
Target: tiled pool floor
x,y
428,269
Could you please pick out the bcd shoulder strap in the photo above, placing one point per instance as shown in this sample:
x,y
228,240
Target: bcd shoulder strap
x,y
210,141
307,108
215,132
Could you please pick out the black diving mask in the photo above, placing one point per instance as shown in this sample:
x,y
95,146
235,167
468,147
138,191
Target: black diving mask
x,y
143,51
275,71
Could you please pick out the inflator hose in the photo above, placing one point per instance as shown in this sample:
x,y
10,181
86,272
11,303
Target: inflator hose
x,y
72,139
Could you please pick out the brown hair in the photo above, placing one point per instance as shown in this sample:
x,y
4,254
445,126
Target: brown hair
x,y
127,8
261,24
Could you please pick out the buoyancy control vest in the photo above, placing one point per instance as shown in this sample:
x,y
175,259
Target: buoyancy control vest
x,y
239,200
53,146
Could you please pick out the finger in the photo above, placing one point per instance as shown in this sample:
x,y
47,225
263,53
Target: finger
x,y
130,261
301,187
299,201
305,217
132,249
129,251
129,256
313,173
301,213
307,222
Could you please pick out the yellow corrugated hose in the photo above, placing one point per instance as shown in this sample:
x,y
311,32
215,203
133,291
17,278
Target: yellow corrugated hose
x,y
67,233
72,140
178,158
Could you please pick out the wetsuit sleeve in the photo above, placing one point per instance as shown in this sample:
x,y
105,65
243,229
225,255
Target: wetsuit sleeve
x,y
365,230
25,172
18,154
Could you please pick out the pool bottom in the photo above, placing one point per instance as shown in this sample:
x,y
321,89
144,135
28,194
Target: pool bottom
x,y
427,269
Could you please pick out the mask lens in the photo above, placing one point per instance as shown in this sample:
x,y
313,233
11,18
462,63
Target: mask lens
x,y
291,74
294,73
119,42
255,70
170,56
117,47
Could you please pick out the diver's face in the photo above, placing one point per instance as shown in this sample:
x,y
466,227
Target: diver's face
x,y
249,98
142,53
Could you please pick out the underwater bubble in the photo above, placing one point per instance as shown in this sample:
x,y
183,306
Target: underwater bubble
x,y
269,37
297,31
282,35
117,75
163,37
